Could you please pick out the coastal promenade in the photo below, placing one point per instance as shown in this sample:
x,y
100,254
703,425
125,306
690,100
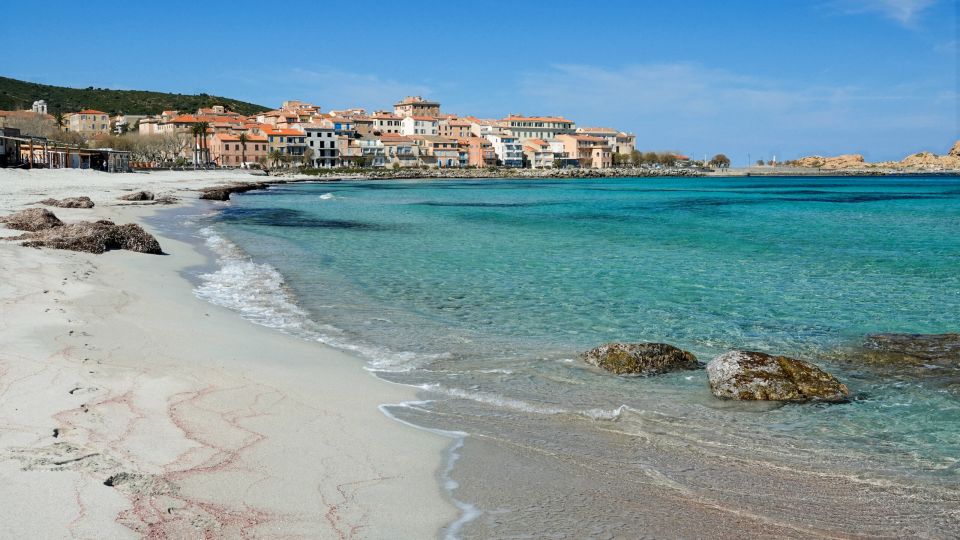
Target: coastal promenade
x,y
130,408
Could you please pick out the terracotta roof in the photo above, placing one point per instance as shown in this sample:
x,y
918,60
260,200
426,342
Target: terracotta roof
x,y
284,132
596,130
424,118
236,138
394,137
90,111
537,119
538,142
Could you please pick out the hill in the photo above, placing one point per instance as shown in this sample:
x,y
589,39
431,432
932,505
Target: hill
x,y
16,95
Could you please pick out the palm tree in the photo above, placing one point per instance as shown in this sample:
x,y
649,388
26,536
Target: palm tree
x,y
59,120
243,150
205,151
275,157
196,131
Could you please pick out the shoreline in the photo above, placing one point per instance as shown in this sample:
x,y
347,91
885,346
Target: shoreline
x,y
136,408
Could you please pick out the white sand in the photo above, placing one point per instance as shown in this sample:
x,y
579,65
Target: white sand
x,y
224,428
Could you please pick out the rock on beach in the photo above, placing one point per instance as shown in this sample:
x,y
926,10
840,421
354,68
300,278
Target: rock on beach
x,y
69,202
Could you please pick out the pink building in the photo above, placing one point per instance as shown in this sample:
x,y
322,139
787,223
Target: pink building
x,y
226,150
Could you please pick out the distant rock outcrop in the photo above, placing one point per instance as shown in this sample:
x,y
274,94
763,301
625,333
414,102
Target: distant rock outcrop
x,y
921,161
137,196
69,202
31,219
746,375
640,358
845,161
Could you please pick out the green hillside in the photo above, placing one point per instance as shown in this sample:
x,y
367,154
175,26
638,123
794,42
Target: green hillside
x,y
16,95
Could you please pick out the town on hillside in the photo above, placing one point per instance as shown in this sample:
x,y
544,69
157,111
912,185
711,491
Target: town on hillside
x,y
416,133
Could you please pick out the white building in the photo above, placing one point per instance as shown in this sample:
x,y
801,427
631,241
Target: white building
x,y
371,148
508,149
323,142
419,125
39,107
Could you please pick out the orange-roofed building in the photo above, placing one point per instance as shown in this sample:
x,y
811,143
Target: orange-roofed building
x,y
416,106
399,149
89,122
385,122
290,142
227,150
538,153
454,128
479,151
591,152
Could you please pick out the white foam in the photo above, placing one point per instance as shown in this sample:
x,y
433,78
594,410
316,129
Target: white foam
x,y
468,512
524,406
326,196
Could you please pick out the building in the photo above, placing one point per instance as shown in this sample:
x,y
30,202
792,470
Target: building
x,y
289,142
437,151
537,127
626,143
538,154
371,151
479,151
89,122
39,107
384,122
322,141
227,150
399,150
416,106
454,128
123,123
419,125
508,149
342,125
591,152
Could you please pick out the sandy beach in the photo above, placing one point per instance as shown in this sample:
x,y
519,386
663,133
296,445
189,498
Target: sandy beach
x,y
130,408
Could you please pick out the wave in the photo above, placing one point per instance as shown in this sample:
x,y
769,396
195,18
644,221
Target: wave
x,y
519,405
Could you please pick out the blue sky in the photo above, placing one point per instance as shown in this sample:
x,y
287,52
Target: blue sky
x,y
757,78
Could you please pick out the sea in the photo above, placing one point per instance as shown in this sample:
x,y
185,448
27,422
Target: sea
x,y
481,295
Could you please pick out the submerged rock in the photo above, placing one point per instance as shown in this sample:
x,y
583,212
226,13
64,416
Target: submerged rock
x,y
640,358
137,196
935,349
32,219
69,202
93,237
750,375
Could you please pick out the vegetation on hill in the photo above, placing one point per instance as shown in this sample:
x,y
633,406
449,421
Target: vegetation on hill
x,y
17,95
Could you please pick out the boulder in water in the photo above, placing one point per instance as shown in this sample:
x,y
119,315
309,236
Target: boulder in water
x,y
747,375
69,202
32,219
640,358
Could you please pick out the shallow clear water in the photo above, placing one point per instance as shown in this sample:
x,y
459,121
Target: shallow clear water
x,y
482,293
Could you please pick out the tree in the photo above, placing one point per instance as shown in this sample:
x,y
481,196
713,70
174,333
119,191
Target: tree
x,y
59,120
243,149
760,162
651,158
275,157
668,160
720,161
307,157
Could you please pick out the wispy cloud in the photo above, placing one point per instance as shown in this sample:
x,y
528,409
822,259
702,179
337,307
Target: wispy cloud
x,y
905,12
687,106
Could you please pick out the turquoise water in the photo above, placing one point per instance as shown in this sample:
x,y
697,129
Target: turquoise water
x,y
482,293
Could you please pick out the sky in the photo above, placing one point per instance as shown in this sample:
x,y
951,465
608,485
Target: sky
x,y
751,79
